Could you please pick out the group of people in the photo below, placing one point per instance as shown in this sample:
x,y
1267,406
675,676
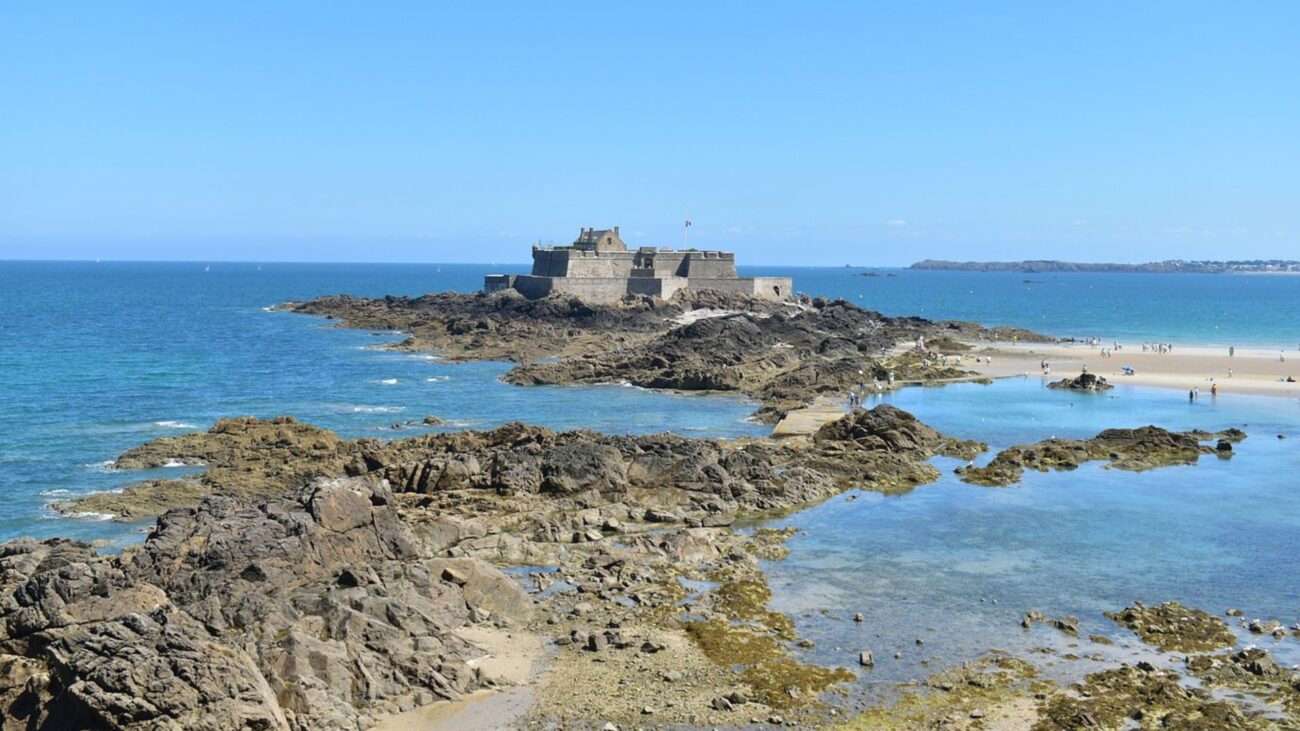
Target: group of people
x,y
1158,347
1195,393
858,394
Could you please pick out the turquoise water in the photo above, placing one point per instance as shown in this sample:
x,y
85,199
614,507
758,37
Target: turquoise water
x,y
930,564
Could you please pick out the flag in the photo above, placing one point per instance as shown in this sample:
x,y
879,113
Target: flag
x,y
688,223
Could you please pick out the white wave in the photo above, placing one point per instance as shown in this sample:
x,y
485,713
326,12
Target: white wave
x,y
107,465
175,425
438,379
268,309
181,463
90,515
378,409
55,493
387,381
425,356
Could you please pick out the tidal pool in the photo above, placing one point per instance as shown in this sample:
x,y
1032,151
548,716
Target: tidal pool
x,y
957,566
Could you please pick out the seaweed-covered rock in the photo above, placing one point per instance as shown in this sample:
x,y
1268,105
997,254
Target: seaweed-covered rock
x,y
1174,627
1115,698
1143,448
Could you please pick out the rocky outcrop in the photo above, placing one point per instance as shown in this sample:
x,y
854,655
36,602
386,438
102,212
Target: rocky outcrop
x,y
783,359
1175,628
507,326
1138,449
784,354
889,428
1082,382
244,456
690,479
316,610
87,645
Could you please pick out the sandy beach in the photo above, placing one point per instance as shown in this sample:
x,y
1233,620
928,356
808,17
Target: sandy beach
x,y
1253,370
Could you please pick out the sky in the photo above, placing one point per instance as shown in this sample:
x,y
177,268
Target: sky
x,y
874,133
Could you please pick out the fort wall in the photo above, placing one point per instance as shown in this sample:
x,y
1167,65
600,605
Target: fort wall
x,y
600,268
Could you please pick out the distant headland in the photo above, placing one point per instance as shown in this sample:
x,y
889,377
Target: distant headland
x,y
1171,266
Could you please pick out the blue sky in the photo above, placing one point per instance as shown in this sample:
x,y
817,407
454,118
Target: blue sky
x,y
818,133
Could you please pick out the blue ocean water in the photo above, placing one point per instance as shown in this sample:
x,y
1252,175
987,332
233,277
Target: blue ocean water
x,y
1260,310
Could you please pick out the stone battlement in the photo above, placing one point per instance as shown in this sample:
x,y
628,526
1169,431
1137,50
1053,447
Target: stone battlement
x,y
599,267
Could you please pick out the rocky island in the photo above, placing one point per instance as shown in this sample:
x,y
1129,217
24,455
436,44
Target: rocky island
x,y
783,353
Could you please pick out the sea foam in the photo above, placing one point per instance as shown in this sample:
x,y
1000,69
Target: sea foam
x,y
377,409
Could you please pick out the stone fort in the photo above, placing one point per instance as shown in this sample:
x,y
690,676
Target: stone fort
x,y
599,267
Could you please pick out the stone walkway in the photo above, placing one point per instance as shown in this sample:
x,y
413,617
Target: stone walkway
x,y
806,421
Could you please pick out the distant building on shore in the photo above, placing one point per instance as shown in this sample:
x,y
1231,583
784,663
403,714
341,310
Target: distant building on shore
x,y
599,267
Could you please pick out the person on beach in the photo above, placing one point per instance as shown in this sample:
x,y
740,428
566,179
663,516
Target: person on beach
x,y
1214,391
1232,351
1191,396
1229,373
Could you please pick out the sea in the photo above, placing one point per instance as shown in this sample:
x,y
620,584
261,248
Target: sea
x,y
98,357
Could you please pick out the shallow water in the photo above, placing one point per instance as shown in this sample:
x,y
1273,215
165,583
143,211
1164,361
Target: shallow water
x,y
931,563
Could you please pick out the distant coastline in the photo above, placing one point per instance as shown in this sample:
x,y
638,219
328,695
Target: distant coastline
x,y
1172,266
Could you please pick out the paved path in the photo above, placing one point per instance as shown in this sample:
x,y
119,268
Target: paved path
x,y
806,421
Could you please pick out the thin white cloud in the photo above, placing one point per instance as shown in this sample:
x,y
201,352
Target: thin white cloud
x,y
896,222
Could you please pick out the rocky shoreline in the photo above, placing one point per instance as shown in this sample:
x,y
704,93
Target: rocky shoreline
x,y
304,581
326,583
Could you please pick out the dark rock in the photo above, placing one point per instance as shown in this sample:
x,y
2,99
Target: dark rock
x,y
1082,382
243,613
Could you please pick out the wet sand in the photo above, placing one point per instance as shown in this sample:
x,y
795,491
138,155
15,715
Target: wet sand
x,y
1254,370
509,657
